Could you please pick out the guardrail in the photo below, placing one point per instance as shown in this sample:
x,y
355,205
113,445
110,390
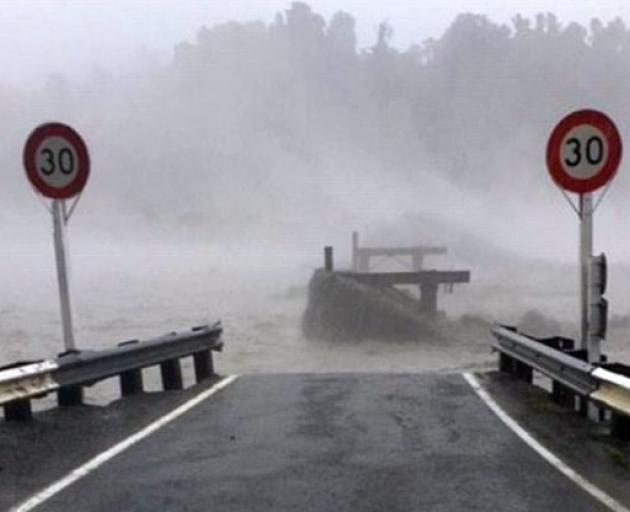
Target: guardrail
x,y
605,385
72,371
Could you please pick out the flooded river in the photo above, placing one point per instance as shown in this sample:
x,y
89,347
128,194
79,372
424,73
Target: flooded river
x,y
150,292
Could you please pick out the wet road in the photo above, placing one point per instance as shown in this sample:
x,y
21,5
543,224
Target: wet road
x,y
337,442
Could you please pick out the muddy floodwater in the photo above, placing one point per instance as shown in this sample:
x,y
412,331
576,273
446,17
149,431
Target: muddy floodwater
x,y
260,308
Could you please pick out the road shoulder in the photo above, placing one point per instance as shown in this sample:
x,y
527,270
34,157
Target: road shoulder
x,y
584,446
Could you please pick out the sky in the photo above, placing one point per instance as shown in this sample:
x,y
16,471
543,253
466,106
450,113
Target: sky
x,y
74,36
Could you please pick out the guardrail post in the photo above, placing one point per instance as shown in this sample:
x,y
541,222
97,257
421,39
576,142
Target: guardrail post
x,y
506,363
171,375
523,372
204,367
18,411
562,395
131,382
620,426
582,401
69,396
516,368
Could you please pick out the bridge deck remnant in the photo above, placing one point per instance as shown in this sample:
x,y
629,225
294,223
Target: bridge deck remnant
x,y
361,256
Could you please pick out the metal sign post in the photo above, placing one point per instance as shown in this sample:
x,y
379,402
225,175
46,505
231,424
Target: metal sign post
x,y
57,165
583,155
59,226
586,252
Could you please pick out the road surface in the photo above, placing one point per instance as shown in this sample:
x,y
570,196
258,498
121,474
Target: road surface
x,y
337,442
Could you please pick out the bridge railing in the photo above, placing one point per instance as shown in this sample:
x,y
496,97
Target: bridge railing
x,y
605,385
69,373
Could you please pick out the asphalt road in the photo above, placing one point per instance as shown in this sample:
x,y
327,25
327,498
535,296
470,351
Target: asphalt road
x,y
343,442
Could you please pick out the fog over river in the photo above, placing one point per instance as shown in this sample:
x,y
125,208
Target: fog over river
x,y
223,162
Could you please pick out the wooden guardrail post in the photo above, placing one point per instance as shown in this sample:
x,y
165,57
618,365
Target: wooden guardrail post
x,y
506,363
562,395
131,382
517,369
70,395
620,426
204,366
524,372
18,411
171,375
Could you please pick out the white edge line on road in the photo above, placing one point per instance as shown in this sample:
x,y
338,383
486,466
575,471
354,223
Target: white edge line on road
x,y
578,479
85,469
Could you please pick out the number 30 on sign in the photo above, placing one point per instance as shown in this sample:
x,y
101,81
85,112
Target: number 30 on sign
x,y
584,151
56,161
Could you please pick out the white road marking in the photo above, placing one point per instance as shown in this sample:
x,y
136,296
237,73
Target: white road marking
x,y
85,469
578,479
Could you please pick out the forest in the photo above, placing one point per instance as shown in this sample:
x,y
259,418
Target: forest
x,y
290,118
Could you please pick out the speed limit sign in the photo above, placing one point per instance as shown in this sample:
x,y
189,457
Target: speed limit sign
x,y
584,151
57,165
583,155
56,161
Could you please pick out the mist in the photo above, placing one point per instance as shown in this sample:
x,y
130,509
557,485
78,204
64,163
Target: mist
x,y
227,163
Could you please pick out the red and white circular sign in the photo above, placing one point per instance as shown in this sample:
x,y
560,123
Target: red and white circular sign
x,y
56,161
584,151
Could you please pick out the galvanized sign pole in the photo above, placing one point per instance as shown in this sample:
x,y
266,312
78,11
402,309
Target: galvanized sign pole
x,y
59,227
586,252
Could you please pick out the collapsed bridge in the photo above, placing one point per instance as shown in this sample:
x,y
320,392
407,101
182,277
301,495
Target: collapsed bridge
x,y
361,303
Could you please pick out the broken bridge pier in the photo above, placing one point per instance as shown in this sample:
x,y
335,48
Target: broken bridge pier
x,y
361,303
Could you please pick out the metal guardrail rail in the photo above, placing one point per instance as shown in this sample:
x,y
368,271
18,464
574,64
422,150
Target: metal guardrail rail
x,y
26,380
613,391
72,371
571,376
563,368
